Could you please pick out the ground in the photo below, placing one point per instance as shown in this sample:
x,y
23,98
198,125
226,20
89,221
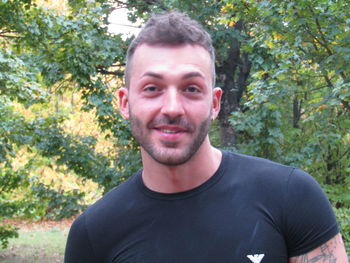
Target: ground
x,y
39,242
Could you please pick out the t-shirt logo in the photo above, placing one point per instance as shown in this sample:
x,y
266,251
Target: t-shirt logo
x,y
256,258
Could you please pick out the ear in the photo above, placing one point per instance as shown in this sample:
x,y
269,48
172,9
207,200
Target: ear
x,y
123,98
217,92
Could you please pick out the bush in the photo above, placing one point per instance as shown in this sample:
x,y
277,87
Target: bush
x,y
343,217
7,232
50,204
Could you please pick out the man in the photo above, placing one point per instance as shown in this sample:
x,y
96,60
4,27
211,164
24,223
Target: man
x,y
192,202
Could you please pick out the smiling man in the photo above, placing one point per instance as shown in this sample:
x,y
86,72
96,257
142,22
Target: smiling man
x,y
192,202
170,103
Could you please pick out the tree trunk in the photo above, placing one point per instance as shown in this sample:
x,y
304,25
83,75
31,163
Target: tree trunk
x,y
234,74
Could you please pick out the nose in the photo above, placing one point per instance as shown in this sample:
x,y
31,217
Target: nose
x,y
172,103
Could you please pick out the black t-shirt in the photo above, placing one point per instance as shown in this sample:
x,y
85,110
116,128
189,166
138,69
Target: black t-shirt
x,y
250,210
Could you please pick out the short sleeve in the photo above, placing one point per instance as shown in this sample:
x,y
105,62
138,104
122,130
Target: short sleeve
x,y
78,247
310,220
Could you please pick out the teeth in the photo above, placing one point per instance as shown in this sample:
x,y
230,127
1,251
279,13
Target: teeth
x,y
168,131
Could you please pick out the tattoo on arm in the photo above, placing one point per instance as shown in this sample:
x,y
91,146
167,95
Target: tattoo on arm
x,y
325,253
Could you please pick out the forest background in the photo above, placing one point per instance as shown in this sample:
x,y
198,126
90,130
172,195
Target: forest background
x,y
283,66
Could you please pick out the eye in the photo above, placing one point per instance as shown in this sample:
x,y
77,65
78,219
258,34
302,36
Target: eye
x,y
151,88
192,89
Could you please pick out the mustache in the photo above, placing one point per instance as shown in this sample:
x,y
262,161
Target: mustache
x,y
165,120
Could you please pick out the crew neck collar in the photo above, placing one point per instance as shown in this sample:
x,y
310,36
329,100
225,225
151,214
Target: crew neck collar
x,y
185,194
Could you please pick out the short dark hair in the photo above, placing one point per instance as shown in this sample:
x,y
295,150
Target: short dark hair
x,y
171,28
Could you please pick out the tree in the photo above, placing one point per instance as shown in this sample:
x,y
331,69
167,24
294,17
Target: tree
x,y
283,68
296,108
281,64
44,53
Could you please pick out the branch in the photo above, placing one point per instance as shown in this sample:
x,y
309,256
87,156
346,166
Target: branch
x,y
323,37
339,158
4,31
345,104
317,40
318,25
126,25
325,42
107,72
159,3
309,31
314,89
9,36
121,3
330,84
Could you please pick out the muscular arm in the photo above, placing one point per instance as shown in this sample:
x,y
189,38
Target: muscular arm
x,y
333,251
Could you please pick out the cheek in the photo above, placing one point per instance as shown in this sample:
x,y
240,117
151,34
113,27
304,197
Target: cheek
x,y
143,111
144,104
199,109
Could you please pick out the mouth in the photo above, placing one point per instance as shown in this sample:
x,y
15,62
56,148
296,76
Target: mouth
x,y
169,131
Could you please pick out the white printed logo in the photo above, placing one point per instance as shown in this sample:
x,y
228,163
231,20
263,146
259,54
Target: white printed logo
x,y
256,258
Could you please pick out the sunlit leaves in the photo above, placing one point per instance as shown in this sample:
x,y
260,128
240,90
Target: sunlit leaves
x,y
44,51
17,82
296,108
295,98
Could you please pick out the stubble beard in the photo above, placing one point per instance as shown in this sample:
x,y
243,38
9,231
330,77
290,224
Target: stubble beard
x,y
168,154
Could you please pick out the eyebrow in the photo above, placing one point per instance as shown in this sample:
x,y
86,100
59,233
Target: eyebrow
x,y
194,74
186,76
152,74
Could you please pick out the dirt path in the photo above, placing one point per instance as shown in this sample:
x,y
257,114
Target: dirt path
x,y
28,225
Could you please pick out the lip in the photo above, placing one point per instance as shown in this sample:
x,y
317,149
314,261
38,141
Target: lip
x,y
170,132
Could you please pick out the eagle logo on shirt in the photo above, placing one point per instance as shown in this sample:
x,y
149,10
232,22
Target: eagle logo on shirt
x,y
256,258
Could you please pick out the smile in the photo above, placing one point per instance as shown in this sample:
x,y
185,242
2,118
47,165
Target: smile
x,y
168,131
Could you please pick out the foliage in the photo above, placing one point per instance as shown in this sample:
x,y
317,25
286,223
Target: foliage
x,y
53,205
282,65
44,53
289,57
7,232
283,68
296,108
343,217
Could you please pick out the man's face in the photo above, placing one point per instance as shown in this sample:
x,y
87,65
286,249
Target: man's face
x,y
170,101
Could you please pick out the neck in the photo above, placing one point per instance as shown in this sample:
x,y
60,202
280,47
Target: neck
x,y
178,178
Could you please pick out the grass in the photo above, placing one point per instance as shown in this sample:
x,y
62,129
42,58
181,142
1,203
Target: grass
x,y
36,246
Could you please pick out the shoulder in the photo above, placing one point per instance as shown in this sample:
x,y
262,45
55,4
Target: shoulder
x,y
93,230
256,169
293,184
109,207
117,197
253,162
305,215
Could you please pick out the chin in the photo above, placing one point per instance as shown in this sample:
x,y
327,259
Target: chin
x,y
171,157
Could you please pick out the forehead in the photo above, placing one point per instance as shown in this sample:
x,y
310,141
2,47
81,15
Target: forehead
x,y
170,60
